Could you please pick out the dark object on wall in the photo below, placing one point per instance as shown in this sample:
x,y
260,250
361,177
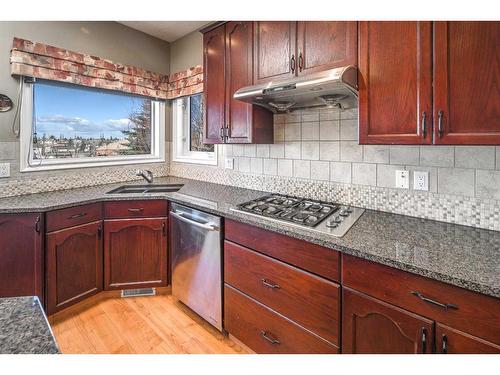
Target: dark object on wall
x,y
5,103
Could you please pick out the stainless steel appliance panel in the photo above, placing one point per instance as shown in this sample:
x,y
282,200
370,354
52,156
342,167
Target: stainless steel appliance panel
x,y
196,261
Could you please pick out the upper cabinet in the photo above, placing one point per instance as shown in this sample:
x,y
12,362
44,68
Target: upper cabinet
x,y
325,45
288,49
228,66
239,54
274,50
395,82
406,98
466,74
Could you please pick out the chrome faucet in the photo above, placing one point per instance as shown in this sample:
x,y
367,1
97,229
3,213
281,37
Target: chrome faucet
x,y
145,174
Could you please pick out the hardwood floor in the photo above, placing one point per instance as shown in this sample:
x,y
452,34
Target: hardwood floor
x,y
142,325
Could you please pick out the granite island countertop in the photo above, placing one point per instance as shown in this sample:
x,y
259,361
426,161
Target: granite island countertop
x,y
459,255
24,328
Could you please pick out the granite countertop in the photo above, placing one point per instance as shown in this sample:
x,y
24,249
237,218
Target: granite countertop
x,y
463,256
24,328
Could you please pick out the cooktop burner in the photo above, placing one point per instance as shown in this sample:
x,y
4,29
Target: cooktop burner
x,y
304,213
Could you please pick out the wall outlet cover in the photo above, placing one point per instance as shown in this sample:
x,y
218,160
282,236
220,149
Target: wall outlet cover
x,y
421,180
403,179
4,170
229,163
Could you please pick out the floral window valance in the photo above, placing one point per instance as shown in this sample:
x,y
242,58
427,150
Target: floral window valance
x,y
48,62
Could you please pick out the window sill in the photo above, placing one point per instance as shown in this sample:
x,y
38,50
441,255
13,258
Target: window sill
x,y
92,164
195,161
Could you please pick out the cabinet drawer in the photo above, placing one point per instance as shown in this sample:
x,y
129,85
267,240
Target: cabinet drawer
x,y
135,208
471,312
310,257
302,297
265,331
73,216
453,341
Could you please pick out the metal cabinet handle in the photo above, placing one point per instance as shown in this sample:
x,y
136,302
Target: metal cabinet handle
x,y
292,64
424,340
440,123
77,216
269,284
222,133
444,344
272,340
424,124
99,231
445,306
207,226
301,62
135,209
164,229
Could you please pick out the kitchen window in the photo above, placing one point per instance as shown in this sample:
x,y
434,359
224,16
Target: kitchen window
x,y
69,126
188,130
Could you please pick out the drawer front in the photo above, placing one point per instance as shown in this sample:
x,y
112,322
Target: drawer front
x,y
310,257
307,299
264,331
73,216
135,208
452,341
471,312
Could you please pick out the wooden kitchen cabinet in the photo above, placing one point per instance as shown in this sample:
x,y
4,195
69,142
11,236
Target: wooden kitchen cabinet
x,y
429,83
323,45
453,341
466,73
228,59
395,82
74,265
214,85
21,254
274,48
370,326
135,253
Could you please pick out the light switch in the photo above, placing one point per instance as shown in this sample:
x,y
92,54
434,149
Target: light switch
x,y
229,163
403,179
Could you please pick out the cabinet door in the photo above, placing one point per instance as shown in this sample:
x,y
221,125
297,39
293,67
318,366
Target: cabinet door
x,y
238,74
453,341
325,45
214,84
74,265
21,254
466,79
395,82
274,50
135,253
371,326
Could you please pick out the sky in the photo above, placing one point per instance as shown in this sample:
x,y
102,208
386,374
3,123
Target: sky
x,y
78,111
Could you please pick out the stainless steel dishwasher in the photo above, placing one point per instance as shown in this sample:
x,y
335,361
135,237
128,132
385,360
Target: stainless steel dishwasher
x,y
196,261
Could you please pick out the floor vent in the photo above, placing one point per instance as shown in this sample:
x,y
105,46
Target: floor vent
x,y
138,292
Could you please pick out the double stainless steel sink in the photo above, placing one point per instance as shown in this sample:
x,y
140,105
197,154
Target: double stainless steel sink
x,y
143,189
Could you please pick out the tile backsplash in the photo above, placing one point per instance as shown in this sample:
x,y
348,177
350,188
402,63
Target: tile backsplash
x,y
316,154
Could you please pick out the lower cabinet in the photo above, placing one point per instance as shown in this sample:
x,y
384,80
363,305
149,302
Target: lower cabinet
x,y
21,255
135,253
371,326
266,331
74,265
453,341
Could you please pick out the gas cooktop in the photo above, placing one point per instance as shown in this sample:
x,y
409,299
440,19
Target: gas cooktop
x,y
325,217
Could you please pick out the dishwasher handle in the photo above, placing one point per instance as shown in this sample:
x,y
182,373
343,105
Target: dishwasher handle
x,y
207,226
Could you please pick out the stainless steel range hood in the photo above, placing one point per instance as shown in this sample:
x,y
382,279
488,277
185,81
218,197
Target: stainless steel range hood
x,y
331,88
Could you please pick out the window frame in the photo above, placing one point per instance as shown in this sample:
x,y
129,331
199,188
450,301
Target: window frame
x,y
28,164
180,153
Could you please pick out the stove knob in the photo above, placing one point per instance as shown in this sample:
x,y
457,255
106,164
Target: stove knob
x,y
344,212
337,219
348,209
332,224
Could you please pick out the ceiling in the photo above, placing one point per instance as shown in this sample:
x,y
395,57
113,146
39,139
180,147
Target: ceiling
x,y
166,30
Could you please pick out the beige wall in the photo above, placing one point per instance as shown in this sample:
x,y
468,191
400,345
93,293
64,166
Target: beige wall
x,y
109,40
186,52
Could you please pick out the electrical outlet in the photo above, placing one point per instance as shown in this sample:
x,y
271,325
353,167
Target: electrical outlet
x,y
229,163
403,179
421,180
4,170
